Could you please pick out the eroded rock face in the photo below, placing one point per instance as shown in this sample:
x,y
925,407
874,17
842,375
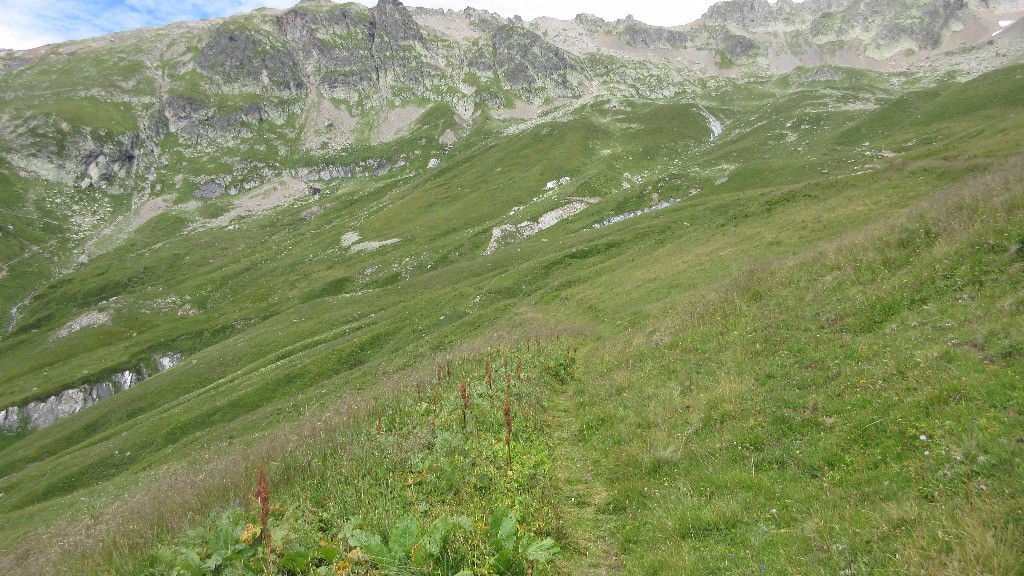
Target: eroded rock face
x,y
68,402
251,56
42,414
108,161
370,167
879,23
349,49
636,33
750,14
210,190
101,392
123,381
167,361
525,59
11,420
925,27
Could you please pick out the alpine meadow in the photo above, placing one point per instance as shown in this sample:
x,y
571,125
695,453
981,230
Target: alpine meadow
x,y
395,290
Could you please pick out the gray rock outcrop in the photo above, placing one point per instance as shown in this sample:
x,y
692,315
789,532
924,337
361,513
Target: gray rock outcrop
x,y
882,26
250,56
124,380
375,167
525,60
68,402
43,413
11,420
210,190
166,362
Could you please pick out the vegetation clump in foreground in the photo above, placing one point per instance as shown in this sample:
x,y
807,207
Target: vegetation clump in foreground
x,y
457,484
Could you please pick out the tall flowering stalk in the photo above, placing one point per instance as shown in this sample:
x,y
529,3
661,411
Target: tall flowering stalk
x,y
487,371
464,392
506,411
433,401
262,496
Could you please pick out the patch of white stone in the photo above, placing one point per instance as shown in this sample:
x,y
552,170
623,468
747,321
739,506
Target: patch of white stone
x,y
43,413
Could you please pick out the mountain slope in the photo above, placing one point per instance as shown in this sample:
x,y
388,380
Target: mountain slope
x,y
793,277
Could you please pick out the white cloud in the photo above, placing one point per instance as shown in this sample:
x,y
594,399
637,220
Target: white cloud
x,y
19,38
31,23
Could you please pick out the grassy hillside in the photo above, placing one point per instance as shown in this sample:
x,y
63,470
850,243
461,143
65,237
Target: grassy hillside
x,y
810,363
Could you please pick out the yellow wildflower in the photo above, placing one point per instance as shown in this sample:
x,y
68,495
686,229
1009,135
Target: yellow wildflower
x,y
249,534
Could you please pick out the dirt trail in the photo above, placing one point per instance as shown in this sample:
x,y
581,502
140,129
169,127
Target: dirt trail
x,y
598,546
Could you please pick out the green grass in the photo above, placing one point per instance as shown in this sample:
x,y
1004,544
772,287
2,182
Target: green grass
x,y
420,459
850,409
756,365
92,112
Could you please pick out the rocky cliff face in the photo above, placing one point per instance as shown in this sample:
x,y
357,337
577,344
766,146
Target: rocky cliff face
x,y
251,56
879,28
43,413
350,51
524,60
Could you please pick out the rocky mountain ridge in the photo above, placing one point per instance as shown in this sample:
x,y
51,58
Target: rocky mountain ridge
x,y
344,65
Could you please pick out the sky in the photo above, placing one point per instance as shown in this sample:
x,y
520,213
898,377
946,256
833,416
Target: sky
x,y
31,23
